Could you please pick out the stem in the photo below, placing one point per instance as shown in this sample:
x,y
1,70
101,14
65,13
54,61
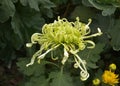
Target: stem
x,y
62,69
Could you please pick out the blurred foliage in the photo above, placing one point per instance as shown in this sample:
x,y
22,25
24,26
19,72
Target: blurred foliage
x,y
19,19
108,7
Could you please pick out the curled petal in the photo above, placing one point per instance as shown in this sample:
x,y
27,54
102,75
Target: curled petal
x,y
84,75
66,55
87,26
35,38
44,54
34,57
76,65
87,31
93,35
38,54
81,63
90,42
90,20
54,58
39,61
99,31
32,62
29,44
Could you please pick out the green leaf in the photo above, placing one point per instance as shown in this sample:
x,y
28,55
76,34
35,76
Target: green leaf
x,y
37,81
91,65
107,9
76,2
14,1
47,4
24,2
86,3
104,23
82,12
58,2
92,55
60,79
15,42
45,8
98,74
35,69
98,48
87,53
7,9
77,81
16,25
9,42
25,24
34,4
115,34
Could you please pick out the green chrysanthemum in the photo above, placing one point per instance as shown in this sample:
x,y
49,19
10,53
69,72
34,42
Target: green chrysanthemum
x,y
71,35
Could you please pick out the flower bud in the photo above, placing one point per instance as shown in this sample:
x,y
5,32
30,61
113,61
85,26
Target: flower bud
x,y
112,67
96,82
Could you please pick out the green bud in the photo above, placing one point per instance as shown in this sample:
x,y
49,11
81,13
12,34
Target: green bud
x,y
112,67
96,82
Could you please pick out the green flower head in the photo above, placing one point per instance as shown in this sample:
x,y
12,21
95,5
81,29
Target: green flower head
x,y
73,36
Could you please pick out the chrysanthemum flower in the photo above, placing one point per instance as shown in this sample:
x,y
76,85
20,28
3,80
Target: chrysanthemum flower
x,y
73,36
110,78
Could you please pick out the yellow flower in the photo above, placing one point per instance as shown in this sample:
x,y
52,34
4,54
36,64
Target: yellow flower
x,y
110,78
